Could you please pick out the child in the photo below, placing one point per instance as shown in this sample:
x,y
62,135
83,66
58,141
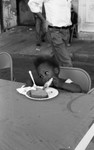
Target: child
x,y
47,68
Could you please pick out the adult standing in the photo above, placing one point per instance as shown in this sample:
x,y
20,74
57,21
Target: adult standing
x,y
57,22
40,34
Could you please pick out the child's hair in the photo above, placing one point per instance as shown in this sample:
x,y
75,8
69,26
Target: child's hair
x,y
48,60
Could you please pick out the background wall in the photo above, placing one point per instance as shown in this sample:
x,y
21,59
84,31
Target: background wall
x,y
86,19
9,13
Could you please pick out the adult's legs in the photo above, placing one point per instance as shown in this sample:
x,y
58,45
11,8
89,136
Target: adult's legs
x,y
38,30
59,41
40,35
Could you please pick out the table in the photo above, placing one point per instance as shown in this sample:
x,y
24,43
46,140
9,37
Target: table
x,y
43,125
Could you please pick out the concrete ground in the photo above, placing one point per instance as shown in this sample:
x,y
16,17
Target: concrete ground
x,y
20,42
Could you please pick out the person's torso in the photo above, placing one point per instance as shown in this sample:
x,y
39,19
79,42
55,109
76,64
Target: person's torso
x,y
58,12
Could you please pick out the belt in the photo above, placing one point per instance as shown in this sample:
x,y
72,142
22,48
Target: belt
x,y
54,27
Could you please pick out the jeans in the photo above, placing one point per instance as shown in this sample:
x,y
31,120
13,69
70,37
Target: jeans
x,y
59,39
40,35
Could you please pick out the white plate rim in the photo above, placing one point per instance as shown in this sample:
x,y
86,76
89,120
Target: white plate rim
x,y
50,96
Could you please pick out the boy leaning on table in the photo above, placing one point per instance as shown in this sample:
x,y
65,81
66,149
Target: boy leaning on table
x,y
48,68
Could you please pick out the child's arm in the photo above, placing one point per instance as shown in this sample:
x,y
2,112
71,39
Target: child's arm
x,y
72,87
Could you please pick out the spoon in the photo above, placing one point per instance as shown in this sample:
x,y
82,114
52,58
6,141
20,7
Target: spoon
x,y
31,75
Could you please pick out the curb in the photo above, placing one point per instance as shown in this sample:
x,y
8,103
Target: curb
x,y
83,57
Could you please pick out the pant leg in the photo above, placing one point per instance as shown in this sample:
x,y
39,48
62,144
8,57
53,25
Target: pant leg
x,y
38,30
40,34
59,49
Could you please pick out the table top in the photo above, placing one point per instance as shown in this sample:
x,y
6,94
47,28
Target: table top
x,y
54,124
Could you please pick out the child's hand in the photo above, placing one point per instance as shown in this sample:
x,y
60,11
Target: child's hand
x,y
57,82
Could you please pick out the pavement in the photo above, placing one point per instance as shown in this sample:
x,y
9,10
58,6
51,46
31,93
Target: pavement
x,y
20,42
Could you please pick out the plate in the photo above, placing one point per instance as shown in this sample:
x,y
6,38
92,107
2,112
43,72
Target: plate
x,y
50,91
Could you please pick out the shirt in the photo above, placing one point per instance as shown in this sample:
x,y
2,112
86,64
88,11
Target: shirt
x,y
58,12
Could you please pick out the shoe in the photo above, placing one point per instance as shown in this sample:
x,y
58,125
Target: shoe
x,y
38,44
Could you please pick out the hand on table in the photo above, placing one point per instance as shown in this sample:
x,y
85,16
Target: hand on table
x,y
57,82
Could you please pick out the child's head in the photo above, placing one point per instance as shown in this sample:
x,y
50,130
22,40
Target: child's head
x,y
46,67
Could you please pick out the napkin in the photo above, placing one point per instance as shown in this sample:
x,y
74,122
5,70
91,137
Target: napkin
x,y
68,81
23,90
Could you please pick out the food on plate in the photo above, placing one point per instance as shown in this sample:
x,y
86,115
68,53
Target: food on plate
x,y
38,93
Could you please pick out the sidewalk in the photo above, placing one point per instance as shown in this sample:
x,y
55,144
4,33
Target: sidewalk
x,y
20,42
